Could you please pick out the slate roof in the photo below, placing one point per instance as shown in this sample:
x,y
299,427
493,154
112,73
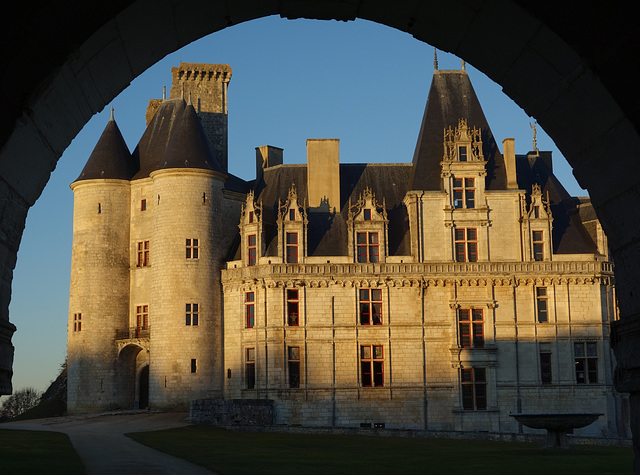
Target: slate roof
x,y
110,158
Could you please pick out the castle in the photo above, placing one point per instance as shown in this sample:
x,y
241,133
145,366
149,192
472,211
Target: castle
x,y
441,294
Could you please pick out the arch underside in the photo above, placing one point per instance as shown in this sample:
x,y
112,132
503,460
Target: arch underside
x,y
566,67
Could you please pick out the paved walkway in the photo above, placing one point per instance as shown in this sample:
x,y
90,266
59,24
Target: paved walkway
x,y
100,442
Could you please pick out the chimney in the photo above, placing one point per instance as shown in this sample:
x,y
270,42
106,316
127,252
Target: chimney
x,y
509,153
267,156
323,174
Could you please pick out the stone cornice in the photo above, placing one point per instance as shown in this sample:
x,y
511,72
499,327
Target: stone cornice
x,y
421,274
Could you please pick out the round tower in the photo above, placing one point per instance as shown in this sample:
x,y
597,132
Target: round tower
x,y
99,290
186,334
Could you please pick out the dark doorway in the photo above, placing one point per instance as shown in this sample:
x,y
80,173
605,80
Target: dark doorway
x,y
144,388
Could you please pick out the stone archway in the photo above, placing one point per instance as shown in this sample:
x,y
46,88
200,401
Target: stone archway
x,y
567,67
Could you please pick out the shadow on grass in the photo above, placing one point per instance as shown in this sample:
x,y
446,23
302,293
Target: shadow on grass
x,y
35,452
231,452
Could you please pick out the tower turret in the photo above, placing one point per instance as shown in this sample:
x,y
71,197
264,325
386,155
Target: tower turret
x,y
99,290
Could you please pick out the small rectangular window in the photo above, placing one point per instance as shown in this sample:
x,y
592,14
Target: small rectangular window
x,y
293,307
462,153
293,357
193,365
250,310
77,322
252,250
251,216
292,248
292,214
191,314
545,367
192,248
367,214
142,317
250,368
144,257
538,246
143,205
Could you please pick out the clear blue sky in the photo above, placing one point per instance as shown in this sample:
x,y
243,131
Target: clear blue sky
x,y
363,83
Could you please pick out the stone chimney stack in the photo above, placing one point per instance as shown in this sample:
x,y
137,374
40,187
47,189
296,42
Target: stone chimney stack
x,y
509,152
205,86
267,156
323,174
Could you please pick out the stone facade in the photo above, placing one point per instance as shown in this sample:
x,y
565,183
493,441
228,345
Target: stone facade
x,y
441,294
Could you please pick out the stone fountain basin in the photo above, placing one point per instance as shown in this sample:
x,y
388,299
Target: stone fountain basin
x,y
557,421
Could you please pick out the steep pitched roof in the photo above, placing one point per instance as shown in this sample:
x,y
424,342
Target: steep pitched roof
x,y
451,98
189,147
110,158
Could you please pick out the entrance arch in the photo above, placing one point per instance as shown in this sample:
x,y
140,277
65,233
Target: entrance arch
x,y
565,67
132,384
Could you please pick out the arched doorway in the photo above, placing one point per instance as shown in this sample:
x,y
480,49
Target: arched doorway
x,y
132,384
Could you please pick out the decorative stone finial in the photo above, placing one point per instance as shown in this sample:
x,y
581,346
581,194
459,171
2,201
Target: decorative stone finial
x,y
535,143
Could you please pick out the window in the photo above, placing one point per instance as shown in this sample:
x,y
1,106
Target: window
x,y
292,214
250,368
192,314
370,306
473,383
464,193
542,304
586,362
293,357
292,248
191,248
143,205
536,212
366,214
251,248
466,245
251,216
367,244
77,322
372,366
143,254
250,309
471,328
538,246
462,153
142,318
194,365
292,308
545,367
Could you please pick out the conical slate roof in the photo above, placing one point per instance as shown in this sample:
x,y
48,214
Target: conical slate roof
x,y
110,158
450,99
189,147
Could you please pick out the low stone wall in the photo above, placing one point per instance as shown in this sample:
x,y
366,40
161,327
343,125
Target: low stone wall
x,y
232,412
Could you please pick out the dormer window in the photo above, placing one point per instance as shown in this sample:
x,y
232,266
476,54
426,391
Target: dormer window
x,y
367,214
292,214
292,223
368,222
464,193
251,216
538,245
368,250
462,153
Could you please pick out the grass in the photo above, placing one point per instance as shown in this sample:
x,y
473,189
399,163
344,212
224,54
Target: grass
x,y
35,452
231,452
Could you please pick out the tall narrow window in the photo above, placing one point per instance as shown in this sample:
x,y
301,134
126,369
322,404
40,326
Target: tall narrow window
x,y
366,213
538,246
192,249
293,357
473,383
251,216
251,249
292,248
542,304
370,301
372,366
292,214
143,205
367,247
464,193
142,318
191,314
545,367
466,245
144,258
293,305
250,368
250,309
77,322
194,365
586,362
471,328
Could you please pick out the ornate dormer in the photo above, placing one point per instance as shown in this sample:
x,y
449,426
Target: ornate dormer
x,y
463,167
369,228
538,226
251,231
292,229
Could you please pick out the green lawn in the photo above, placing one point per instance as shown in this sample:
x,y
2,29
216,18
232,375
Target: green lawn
x,y
230,452
36,452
